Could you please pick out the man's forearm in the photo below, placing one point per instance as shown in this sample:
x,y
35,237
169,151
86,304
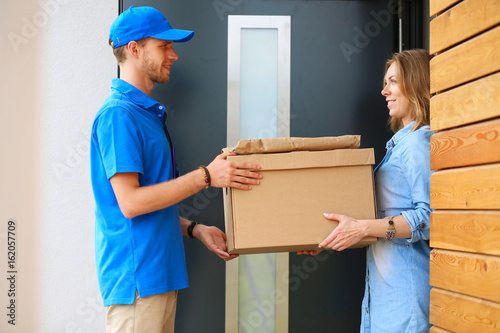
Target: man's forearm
x,y
184,225
135,200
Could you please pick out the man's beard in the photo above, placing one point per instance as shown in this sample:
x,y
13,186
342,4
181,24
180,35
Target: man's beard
x,y
155,72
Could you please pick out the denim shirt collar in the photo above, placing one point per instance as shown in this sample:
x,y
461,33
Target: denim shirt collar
x,y
136,96
400,135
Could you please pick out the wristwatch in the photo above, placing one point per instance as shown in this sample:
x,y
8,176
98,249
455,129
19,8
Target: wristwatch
x,y
190,229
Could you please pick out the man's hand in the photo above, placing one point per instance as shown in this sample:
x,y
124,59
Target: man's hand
x,y
214,239
224,173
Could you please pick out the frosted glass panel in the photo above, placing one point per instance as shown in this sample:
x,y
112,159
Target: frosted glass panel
x,y
258,106
258,120
258,83
257,293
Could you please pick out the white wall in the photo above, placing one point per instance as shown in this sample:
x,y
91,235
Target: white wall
x,y
56,70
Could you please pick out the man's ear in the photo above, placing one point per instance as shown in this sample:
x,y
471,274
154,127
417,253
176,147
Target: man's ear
x,y
133,49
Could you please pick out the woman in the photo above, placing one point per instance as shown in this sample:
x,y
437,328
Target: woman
x,y
397,281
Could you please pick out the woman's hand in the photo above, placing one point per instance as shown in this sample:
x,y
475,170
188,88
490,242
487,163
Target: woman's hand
x,y
349,232
310,252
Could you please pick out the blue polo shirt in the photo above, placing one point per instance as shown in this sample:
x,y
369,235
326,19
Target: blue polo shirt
x,y
145,253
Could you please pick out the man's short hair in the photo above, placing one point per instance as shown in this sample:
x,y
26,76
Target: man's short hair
x,y
121,51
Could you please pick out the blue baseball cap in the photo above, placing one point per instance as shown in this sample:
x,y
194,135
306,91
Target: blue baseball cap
x,y
141,22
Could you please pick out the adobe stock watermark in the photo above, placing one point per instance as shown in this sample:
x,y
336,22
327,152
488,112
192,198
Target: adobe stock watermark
x,y
265,310
276,124
73,158
372,29
281,121
200,201
87,311
30,27
222,7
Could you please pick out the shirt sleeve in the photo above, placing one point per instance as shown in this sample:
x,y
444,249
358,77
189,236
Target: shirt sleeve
x,y
417,171
119,142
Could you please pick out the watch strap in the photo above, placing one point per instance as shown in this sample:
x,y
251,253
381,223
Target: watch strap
x,y
190,229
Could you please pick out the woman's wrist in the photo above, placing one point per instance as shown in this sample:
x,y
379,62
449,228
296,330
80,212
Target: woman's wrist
x,y
374,228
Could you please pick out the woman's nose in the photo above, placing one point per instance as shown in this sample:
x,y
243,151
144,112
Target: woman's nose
x,y
385,91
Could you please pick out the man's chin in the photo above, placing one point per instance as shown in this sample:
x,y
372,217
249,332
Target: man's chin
x,y
162,80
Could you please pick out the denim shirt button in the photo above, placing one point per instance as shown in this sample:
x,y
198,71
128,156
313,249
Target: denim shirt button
x,y
422,225
366,310
408,245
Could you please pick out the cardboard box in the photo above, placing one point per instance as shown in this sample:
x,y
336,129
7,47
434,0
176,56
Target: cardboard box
x,y
285,212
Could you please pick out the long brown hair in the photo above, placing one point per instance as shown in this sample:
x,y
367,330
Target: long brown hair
x,y
413,77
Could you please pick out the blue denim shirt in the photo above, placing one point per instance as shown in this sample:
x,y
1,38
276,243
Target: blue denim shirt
x,y
397,278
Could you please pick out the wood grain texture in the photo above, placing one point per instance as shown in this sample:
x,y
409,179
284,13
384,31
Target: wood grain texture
x,y
470,60
462,313
472,102
435,329
437,6
466,188
471,231
466,146
466,19
472,274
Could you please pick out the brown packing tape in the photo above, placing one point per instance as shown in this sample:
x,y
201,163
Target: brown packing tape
x,y
279,145
305,159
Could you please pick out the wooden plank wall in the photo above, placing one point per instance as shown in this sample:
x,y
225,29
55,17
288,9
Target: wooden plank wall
x,y
465,152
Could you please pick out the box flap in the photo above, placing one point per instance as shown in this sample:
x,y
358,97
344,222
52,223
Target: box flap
x,y
305,159
280,145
